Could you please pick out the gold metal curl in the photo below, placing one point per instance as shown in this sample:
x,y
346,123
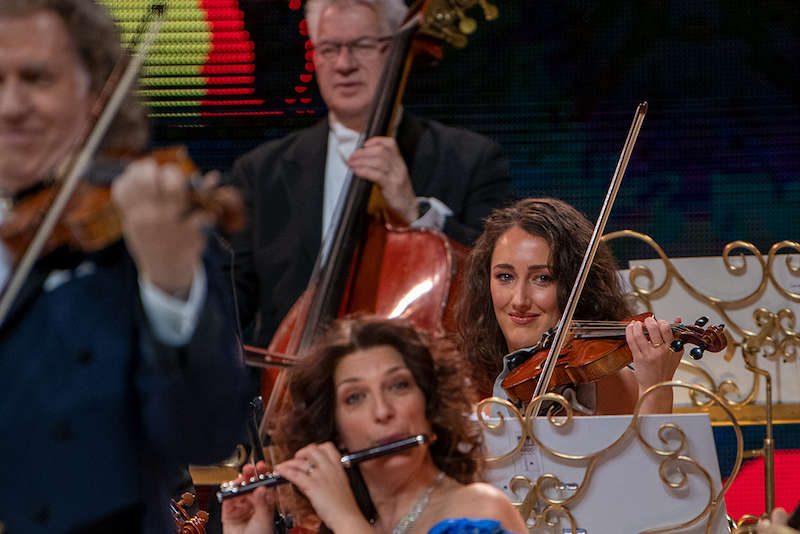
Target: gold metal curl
x,y
714,502
792,267
552,513
668,468
520,480
561,420
774,335
481,414
543,508
640,271
747,524
709,508
663,436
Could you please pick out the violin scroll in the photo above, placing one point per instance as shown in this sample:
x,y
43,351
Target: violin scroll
x,y
185,523
224,204
711,338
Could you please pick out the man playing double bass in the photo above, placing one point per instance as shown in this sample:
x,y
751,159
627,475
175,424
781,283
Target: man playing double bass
x,y
430,176
119,366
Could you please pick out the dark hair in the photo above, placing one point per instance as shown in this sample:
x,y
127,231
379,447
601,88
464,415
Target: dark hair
x,y
97,42
457,449
567,232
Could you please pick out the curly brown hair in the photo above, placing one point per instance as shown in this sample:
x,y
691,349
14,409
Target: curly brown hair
x,y
567,232
97,42
457,449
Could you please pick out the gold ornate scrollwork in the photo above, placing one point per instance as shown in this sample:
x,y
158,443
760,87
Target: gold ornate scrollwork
x,y
774,336
543,503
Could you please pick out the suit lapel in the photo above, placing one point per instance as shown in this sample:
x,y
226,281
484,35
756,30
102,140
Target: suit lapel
x,y
304,178
30,290
419,157
303,173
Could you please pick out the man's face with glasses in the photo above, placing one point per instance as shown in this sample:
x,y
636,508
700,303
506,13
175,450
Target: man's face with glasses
x,y
348,56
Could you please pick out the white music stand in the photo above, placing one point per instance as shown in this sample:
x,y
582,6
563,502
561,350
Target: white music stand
x,y
625,493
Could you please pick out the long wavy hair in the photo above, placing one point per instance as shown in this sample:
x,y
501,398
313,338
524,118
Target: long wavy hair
x,y
457,449
97,42
567,232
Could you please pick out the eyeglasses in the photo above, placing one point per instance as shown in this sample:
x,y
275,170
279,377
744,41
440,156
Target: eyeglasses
x,y
363,49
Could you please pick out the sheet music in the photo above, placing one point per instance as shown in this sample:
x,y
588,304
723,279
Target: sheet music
x,y
625,494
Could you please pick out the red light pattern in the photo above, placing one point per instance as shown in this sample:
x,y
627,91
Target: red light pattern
x,y
213,69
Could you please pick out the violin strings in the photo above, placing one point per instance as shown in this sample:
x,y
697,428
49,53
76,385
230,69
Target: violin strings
x,y
615,327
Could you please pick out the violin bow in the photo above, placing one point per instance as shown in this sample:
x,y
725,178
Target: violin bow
x,y
560,336
106,107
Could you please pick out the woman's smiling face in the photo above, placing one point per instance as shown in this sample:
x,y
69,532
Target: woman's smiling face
x,y
524,292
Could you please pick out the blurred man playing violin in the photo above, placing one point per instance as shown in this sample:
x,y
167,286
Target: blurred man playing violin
x,y
114,365
430,175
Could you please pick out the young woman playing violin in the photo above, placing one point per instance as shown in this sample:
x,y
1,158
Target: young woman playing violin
x,y
371,382
517,279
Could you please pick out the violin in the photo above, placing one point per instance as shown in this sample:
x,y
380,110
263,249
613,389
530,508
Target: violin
x,y
91,223
595,350
186,523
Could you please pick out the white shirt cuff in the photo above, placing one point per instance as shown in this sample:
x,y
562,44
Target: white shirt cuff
x,y
174,320
435,216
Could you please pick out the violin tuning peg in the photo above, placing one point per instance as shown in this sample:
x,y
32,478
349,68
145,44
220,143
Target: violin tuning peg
x,y
489,10
467,25
701,321
676,345
696,353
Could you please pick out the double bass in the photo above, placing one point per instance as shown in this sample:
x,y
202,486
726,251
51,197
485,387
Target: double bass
x,y
366,264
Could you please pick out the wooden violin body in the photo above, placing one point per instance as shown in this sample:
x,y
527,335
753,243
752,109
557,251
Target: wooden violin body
x,y
593,352
90,221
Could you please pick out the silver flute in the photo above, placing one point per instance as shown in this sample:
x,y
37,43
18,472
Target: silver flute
x,y
228,489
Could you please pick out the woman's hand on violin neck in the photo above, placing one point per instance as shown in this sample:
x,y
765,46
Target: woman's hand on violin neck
x,y
249,513
316,470
165,240
653,360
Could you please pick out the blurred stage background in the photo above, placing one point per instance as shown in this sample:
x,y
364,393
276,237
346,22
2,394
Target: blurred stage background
x,y
555,82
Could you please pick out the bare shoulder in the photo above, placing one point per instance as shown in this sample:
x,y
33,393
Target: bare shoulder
x,y
482,501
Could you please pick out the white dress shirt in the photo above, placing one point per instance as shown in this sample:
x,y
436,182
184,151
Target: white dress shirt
x,y
342,142
172,319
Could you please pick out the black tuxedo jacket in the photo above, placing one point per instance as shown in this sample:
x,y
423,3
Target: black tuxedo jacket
x,y
283,184
96,415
